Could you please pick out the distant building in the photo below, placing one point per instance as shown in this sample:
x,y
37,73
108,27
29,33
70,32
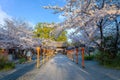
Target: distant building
x,y
60,46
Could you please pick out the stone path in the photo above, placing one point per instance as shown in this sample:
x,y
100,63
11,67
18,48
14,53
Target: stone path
x,y
18,72
61,68
99,72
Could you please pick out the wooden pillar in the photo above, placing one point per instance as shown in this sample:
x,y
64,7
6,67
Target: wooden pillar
x,y
67,53
72,52
83,50
76,55
43,61
38,57
45,55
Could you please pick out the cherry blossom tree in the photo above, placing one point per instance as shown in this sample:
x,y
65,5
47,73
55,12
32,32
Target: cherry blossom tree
x,y
87,15
16,34
93,20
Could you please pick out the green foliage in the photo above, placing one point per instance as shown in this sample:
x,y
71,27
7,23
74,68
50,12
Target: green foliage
x,y
62,37
43,31
89,57
110,45
109,42
9,65
6,65
105,59
22,60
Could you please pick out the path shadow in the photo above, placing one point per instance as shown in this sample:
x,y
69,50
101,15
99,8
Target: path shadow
x,y
19,72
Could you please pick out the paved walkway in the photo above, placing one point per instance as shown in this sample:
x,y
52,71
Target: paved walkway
x,y
61,68
99,72
17,72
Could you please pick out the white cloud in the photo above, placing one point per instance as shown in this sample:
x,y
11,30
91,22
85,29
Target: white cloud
x,y
3,15
61,18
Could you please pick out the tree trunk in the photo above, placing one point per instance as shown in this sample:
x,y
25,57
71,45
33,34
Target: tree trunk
x,y
101,34
117,36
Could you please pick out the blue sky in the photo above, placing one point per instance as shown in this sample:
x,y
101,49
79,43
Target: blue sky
x,y
31,10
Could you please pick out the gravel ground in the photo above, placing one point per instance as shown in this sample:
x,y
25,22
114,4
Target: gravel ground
x,y
29,75
61,68
17,72
98,71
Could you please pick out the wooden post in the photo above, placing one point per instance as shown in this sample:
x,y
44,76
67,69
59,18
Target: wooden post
x,y
67,53
82,49
47,55
43,56
38,57
77,55
72,52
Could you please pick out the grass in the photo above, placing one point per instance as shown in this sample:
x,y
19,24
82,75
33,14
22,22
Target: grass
x,y
89,57
104,59
113,63
22,60
6,66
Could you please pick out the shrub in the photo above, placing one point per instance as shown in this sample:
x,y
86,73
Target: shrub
x,y
5,64
87,57
105,59
9,65
22,60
